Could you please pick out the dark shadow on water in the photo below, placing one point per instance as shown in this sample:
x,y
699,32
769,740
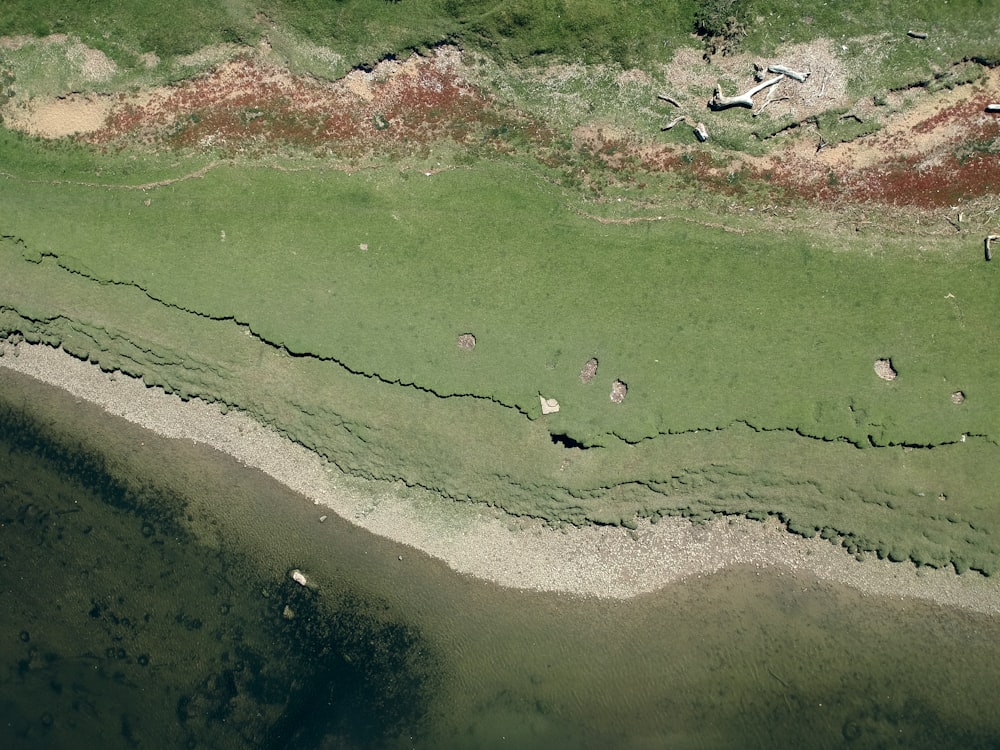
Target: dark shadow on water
x,y
131,618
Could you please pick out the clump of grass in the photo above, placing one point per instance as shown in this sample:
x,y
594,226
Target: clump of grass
x,y
722,24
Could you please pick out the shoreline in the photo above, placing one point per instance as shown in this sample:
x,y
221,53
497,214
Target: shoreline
x,y
606,562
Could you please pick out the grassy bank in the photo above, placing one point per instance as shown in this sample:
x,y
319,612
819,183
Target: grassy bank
x,y
763,392
381,271
627,33
326,294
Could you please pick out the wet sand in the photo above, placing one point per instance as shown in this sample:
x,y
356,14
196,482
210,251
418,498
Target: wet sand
x,y
482,542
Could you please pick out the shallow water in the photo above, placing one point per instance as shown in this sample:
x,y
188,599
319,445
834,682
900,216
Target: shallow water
x,y
148,603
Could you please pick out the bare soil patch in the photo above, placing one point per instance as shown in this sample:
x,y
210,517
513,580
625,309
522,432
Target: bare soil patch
x,y
933,149
245,105
69,115
942,149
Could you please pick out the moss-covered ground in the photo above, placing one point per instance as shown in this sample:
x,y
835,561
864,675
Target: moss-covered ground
x,y
324,290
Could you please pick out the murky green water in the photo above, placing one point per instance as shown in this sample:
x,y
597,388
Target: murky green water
x,y
147,602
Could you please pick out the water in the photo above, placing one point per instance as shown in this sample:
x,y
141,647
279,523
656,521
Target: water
x,y
147,602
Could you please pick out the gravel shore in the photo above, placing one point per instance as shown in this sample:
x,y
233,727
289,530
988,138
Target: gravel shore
x,y
478,541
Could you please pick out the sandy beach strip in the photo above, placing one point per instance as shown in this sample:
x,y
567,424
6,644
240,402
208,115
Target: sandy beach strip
x,y
485,543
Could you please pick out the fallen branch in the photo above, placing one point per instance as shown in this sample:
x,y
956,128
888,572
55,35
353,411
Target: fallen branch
x,y
719,101
770,99
668,99
672,123
781,69
990,239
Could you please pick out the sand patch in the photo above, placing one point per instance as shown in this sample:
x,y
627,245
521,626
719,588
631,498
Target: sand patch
x,y
61,117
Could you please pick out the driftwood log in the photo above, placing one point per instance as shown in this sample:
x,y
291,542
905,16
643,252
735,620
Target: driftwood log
x,y
674,122
800,77
720,101
917,34
700,132
993,107
668,99
990,239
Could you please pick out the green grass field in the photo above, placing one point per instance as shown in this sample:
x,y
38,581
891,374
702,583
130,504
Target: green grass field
x,y
748,360
632,32
328,302
706,327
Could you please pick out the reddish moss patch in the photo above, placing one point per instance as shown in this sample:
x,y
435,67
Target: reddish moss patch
x,y
243,106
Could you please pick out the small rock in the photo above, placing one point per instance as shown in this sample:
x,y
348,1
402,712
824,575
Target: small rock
x,y
618,391
466,341
288,613
957,397
299,578
589,371
322,518
885,370
549,405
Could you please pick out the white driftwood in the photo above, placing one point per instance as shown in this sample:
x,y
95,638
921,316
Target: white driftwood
x,y
674,122
917,34
800,77
990,239
668,99
719,101
700,133
993,107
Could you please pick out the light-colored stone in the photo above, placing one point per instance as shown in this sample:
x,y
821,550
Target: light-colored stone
x,y
885,370
549,405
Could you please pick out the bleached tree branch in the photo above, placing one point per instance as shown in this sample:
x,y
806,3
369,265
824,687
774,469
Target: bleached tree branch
x,y
720,101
